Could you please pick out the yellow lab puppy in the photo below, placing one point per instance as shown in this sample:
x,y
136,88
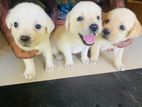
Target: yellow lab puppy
x,y
79,33
31,27
119,26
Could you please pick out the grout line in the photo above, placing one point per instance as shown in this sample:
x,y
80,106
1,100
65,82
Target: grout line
x,y
127,89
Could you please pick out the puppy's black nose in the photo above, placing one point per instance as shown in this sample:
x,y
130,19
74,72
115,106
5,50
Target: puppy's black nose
x,y
93,27
106,32
25,38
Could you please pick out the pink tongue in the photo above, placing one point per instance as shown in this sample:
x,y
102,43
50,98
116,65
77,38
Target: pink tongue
x,y
89,39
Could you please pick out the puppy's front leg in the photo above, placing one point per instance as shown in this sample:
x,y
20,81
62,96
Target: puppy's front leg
x,y
118,54
95,53
30,68
84,56
68,57
49,66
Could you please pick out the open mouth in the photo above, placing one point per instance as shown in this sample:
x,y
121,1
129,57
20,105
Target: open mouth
x,y
88,39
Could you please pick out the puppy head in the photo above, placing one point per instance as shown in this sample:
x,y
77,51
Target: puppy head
x,y
120,24
85,21
29,25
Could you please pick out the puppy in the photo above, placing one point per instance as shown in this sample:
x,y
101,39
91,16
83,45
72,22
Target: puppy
x,y
31,27
82,25
119,26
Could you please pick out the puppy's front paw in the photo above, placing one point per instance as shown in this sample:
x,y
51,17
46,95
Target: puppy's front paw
x,y
85,61
49,69
29,74
120,67
69,66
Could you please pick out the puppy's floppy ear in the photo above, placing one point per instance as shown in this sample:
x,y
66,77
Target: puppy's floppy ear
x,y
8,20
50,25
136,30
67,22
104,15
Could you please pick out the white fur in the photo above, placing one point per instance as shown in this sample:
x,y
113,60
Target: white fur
x,y
66,39
27,15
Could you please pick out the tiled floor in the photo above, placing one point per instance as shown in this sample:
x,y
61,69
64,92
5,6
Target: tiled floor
x,y
122,89
11,68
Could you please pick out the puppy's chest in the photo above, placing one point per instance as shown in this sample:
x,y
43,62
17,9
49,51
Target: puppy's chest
x,y
107,47
76,48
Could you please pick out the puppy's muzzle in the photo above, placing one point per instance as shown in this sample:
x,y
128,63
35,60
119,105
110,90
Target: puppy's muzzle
x,y
94,28
106,33
25,40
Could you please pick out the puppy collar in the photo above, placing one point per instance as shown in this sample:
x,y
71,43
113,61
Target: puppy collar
x,y
121,44
124,44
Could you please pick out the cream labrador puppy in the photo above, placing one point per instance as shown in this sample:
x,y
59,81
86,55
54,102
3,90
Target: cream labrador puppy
x,y
31,28
119,26
82,25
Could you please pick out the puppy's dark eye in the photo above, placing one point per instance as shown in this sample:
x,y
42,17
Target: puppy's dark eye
x,y
38,26
107,21
16,24
80,18
98,17
122,27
